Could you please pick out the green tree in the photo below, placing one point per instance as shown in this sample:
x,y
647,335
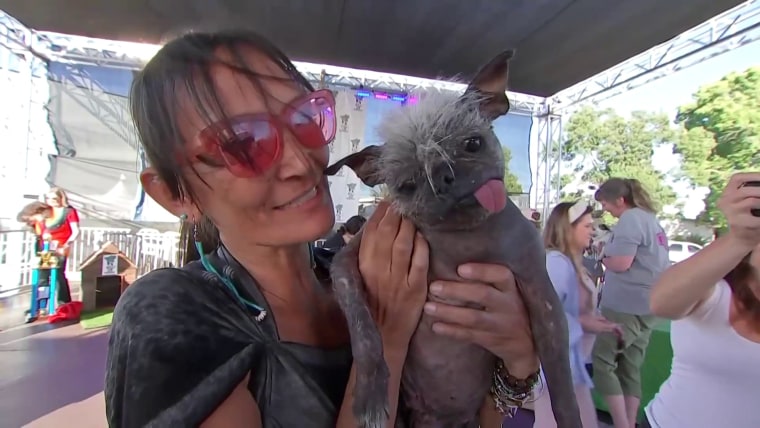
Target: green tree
x,y
511,182
601,144
721,136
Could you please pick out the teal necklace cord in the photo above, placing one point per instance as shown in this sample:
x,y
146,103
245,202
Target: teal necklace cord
x,y
261,313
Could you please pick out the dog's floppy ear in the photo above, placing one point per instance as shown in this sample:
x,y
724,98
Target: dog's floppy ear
x,y
364,164
491,83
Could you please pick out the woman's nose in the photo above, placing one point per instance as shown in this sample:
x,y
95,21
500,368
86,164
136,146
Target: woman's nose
x,y
296,159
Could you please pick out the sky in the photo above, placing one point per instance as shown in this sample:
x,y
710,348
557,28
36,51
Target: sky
x,y
668,93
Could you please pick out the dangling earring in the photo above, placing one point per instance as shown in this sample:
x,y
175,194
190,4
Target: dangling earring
x,y
261,313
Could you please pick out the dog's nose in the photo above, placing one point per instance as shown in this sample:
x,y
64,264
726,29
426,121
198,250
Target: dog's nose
x,y
444,179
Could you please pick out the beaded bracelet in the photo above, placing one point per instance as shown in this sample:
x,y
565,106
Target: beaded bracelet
x,y
510,393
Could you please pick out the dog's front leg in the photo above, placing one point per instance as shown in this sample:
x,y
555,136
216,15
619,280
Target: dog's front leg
x,y
370,405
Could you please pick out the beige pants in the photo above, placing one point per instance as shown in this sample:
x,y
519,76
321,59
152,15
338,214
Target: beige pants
x,y
545,417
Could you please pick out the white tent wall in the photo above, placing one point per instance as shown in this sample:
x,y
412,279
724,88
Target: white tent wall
x,y
26,136
27,142
97,161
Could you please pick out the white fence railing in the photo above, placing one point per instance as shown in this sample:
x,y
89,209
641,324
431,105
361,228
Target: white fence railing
x,y
149,249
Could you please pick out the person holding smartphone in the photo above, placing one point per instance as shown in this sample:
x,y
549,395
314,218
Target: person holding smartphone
x,y
714,299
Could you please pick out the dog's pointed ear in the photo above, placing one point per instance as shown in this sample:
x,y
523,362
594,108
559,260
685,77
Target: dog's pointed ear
x,y
491,83
364,164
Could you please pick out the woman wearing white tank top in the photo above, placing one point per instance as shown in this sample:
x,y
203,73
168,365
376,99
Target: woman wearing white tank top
x,y
714,298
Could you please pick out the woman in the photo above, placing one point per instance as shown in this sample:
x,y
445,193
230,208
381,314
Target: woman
x,y
567,234
634,257
345,233
714,299
62,229
247,336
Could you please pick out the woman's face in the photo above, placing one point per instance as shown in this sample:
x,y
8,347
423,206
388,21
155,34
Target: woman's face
x,y
288,203
53,200
614,207
583,231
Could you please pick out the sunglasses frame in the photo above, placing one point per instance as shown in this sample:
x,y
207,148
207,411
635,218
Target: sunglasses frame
x,y
214,149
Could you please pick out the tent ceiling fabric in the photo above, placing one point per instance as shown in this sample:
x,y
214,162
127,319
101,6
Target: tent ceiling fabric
x,y
559,42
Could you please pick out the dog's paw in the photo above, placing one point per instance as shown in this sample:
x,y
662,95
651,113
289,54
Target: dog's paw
x,y
371,395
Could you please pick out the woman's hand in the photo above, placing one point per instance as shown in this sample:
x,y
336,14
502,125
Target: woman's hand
x,y
736,203
500,324
599,324
393,260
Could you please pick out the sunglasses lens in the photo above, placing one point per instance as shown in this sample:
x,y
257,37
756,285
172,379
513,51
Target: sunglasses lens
x,y
313,121
251,149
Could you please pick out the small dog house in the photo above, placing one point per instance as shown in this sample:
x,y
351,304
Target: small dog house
x,y
106,273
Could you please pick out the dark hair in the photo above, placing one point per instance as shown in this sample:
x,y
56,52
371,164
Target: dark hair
x,y
32,209
183,66
739,280
630,189
353,225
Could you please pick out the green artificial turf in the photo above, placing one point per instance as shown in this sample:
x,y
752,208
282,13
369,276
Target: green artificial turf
x,y
96,319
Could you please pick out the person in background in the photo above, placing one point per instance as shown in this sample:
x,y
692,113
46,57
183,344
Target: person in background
x,y
345,233
567,234
62,229
713,298
634,257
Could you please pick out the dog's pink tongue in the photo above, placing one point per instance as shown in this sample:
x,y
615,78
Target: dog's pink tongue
x,y
492,196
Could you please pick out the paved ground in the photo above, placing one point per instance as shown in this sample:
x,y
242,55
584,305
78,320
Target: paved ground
x,y
52,377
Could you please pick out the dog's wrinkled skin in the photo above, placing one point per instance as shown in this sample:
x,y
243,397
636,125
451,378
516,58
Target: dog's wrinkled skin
x,y
437,153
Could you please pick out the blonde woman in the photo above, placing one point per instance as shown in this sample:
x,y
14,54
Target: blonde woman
x,y
567,234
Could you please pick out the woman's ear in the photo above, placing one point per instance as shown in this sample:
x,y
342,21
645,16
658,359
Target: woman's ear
x,y
158,190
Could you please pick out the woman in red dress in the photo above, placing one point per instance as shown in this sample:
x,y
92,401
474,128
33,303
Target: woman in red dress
x,y
61,229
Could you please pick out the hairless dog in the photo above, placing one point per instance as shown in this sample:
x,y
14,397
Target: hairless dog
x,y
444,169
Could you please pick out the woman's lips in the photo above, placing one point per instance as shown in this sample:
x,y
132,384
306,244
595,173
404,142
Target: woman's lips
x,y
302,200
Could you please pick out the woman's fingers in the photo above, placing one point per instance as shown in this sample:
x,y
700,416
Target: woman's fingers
x,y
739,179
418,271
462,333
475,293
500,276
462,316
376,217
403,247
369,232
387,230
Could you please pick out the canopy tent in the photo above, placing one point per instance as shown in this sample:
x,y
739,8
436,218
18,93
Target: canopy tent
x,y
559,42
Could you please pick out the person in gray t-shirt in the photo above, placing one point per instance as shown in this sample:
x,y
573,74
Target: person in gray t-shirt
x,y
634,258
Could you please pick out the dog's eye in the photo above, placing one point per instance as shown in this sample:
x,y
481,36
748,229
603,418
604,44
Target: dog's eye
x,y
407,188
473,144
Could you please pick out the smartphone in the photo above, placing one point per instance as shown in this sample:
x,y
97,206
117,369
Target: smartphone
x,y
755,211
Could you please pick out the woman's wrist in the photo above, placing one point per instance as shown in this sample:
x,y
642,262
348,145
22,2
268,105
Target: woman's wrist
x,y
522,368
394,352
736,243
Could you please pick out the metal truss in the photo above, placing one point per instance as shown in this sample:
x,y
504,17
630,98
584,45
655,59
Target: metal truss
x,y
14,36
546,188
92,97
730,30
353,78
132,56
